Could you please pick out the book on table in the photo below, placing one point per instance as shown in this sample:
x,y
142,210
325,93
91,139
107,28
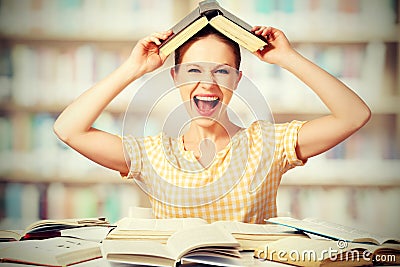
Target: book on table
x,y
332,230
317,252
210,12
208,241
158,230
57,251
51,228
248,235
331,244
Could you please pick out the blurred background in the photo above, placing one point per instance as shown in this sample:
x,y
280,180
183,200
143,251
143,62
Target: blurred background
x,y
53,50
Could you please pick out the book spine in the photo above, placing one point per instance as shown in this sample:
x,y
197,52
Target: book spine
x,y
30,203
208,5
5,74
23,203
60,75
57,201
13,205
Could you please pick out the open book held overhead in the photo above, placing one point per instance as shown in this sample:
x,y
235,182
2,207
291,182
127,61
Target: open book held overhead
x,y
210,12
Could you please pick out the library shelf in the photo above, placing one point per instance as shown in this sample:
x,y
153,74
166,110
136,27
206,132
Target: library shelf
x,y
66,44
354,38
98,176
336,172
129,38
27,119
319,172
386,105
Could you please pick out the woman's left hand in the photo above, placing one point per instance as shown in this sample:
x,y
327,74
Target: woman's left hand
x,y
278,47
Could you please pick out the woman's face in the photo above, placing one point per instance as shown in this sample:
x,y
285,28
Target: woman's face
x,y
206,78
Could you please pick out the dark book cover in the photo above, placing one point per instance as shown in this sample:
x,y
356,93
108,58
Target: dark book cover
x,y
208,9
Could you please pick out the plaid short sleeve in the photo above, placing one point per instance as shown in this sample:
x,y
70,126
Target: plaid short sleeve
x,y
133,156
286,137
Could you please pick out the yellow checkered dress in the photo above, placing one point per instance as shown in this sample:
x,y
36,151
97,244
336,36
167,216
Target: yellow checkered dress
x,y
239,185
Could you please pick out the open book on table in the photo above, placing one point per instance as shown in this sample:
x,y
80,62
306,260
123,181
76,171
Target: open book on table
x,y
210,12
50,228
248,235
207,241
332,230
316,252
57,251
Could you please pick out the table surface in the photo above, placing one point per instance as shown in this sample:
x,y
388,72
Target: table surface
x,y
248,261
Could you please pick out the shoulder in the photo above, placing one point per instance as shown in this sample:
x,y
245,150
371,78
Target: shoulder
x,y
278,129
282,135
260,125
291,127
144,141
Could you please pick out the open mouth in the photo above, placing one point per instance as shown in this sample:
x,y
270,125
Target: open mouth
x,y
206,104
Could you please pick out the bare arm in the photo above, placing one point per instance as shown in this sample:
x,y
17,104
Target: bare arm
x,y
74,125
348,112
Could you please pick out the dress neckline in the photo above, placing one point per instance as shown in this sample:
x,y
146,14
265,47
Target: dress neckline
x,y
235,138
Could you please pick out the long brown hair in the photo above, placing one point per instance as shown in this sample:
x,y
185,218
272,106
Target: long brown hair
x,y
206,31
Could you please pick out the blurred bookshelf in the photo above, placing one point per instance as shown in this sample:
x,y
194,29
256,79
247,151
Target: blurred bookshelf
x,y
51,51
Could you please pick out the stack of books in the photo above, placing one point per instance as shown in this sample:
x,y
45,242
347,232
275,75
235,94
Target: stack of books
x,y
331,244
55,242
168,242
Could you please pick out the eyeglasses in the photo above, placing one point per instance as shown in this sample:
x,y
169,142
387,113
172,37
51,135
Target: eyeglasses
x,y
220,74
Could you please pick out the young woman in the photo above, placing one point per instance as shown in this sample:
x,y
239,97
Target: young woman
x,y
225,165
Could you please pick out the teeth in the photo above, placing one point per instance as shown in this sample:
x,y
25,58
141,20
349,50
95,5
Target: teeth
x,y
207,98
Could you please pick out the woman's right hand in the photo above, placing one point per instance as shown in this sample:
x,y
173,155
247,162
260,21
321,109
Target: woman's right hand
x,y
145,56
